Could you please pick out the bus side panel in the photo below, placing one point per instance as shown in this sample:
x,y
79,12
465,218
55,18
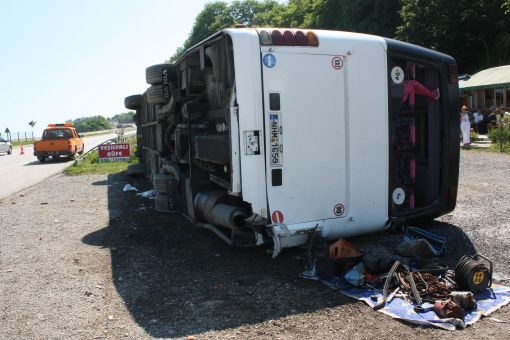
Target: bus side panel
x,y
250,116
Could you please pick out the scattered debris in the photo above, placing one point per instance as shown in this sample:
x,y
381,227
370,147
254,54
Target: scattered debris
x,y
129,187
416,281
356,276
437,242
472,274
110,317
88,293
147,194
343,249
418,248
44,203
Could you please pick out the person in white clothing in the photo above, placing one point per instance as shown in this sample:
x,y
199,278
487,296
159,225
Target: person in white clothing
x,y
478,121
465,125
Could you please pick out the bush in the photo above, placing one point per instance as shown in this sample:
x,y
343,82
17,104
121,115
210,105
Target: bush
x,y
499,135
473,135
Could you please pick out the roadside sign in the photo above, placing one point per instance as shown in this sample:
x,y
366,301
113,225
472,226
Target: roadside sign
x,y
114,152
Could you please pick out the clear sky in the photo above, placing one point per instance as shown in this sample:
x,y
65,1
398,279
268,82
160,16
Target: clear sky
x,y
64,59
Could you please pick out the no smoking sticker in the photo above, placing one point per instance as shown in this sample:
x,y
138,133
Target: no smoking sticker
x,y
337,63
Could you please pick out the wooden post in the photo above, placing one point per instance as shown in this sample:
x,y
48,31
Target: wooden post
x,y
18,136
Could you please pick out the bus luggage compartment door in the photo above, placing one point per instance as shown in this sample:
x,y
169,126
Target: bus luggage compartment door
x,y
305,133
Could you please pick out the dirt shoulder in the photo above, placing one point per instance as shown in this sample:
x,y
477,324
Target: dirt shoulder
x,y
79,258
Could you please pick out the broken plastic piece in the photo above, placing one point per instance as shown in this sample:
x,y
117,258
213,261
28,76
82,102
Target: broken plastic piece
x,y
147,194
356,276
129,187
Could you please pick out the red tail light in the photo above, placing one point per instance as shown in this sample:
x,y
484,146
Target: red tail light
x,y
277,37
289,39
301,39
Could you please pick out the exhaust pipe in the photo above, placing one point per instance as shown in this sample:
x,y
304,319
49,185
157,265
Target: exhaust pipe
x,y
228,216
210,207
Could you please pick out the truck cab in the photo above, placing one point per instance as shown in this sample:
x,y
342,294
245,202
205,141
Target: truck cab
x,y
270,135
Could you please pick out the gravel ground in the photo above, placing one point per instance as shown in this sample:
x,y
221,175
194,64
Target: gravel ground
x,y
81,259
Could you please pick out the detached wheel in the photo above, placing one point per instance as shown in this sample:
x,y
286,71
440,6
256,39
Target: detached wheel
x,y
133,102
41,159
10,150
158,74
156,95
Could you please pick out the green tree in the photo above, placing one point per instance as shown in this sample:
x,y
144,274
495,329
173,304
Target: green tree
x,y
475,32
124,118
380,17
218,15
95,123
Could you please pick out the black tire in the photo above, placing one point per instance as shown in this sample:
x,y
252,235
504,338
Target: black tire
x,y
41,159
10,150
155,75
133,102
156,95
135,170
73,156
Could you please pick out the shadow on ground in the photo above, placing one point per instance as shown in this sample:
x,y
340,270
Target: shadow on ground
x,y
49,161
177,279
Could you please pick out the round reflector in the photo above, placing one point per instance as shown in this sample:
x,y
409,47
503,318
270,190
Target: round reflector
x,y
289,39
277,37
265,38
312,39
301,39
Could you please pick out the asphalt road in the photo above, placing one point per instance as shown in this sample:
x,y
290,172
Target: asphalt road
x,y
18,172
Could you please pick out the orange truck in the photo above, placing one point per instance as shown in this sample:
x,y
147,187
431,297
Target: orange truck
x,y
59,140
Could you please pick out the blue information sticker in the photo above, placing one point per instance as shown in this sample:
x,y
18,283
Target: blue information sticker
x,y
269,60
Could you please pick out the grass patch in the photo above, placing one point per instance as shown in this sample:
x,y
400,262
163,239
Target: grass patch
x,y
30,142
493,148
90,165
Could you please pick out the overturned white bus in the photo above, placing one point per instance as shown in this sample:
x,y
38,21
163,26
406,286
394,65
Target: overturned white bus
x,y
269,135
